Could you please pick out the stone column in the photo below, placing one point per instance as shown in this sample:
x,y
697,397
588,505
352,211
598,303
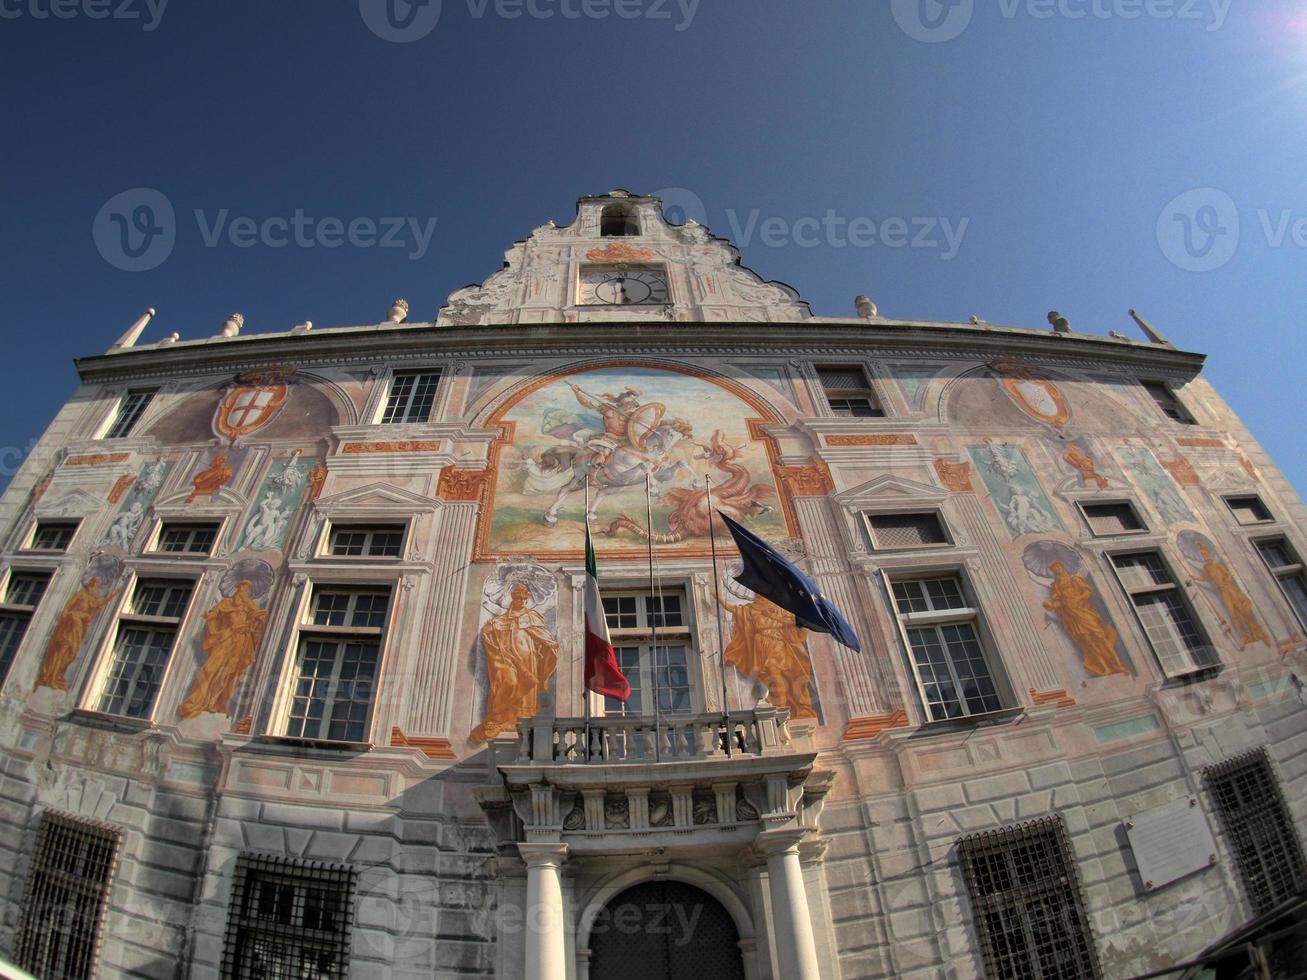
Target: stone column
x,y
792,922
546,942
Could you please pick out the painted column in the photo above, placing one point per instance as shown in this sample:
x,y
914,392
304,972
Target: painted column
x,y
789,899
546,943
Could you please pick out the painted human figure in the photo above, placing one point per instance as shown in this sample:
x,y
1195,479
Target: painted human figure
x,y
1237,604
209,480
1083,464
520,658
1023,513
265,529
317,477
767,645
124,528
233,628
1071,599
69,634
615,410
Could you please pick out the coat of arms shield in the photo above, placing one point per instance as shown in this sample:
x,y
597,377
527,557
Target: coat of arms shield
x,y
253,402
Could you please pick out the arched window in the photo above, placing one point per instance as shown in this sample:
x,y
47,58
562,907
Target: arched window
x,y
618,221
662,930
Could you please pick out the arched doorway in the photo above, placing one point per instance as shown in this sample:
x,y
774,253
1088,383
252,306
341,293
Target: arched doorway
x,y
665,930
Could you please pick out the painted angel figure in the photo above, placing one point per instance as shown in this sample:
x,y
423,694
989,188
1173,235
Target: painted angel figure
x,y
125,526
265,530
1023,513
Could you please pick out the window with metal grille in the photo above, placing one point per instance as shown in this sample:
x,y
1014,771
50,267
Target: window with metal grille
x,y
289,918
1164,613
147,632
1115,518
356,541
23,593
187,539
663,668
412,393
1166,401
1248,510
336,670
1287,568
130,410
1259,828
67,890
52,535
896,531
848,392
939,628
1026,900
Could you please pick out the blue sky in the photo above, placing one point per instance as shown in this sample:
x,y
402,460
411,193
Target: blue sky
x,y
1037,151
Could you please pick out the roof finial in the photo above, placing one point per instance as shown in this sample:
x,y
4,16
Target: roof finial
x,y
1151,332
233,325
172,338
1060,323
865,307
398,312
134,332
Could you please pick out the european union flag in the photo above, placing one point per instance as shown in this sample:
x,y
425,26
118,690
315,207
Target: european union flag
x,y
768,573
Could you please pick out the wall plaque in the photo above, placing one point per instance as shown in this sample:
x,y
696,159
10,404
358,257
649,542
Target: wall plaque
x,y
1170,842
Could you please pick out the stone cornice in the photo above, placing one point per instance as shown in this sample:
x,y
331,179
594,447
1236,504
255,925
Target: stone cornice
x,y
388,342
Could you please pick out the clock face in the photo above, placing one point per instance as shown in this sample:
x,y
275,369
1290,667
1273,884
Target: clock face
x,y
623,287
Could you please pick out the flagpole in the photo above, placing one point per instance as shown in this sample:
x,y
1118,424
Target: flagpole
x,y
653,620
585,690
721,637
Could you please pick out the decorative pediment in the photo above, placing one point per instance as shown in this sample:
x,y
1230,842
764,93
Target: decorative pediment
x,y
376,498
890,489
224,501
75,503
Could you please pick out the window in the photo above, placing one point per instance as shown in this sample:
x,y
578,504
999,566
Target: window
x,y
1162,394
356,541
1164,613
63,905
1026,901
289,918
130,410
848,392
898,531
1117,518
187,539
412,393
617,221
1259,828
632,620
1287,568
939,628
22,595
147,631
336,670
1248,510
53,535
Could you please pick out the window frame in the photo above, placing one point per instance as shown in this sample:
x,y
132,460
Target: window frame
x,y
1176,585
125,618
22,612
934,512
72,523
1084,507
384,405
640,638
1258,503
868,392
132,419
370,528
970,614
1181,415
1296,569
173,524
305,630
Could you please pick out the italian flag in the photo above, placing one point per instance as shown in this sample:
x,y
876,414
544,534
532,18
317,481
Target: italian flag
x,y
601,671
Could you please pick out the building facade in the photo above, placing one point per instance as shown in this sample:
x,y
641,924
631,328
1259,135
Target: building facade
x,y
291,643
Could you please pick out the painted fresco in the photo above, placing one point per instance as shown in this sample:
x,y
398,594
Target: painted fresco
x,y
616,429
1218,582
79,612
1034,393
1078,454
136,505
1143,467
233,628
517,646
914,381
1016,493
279,495
768,647
1075,606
